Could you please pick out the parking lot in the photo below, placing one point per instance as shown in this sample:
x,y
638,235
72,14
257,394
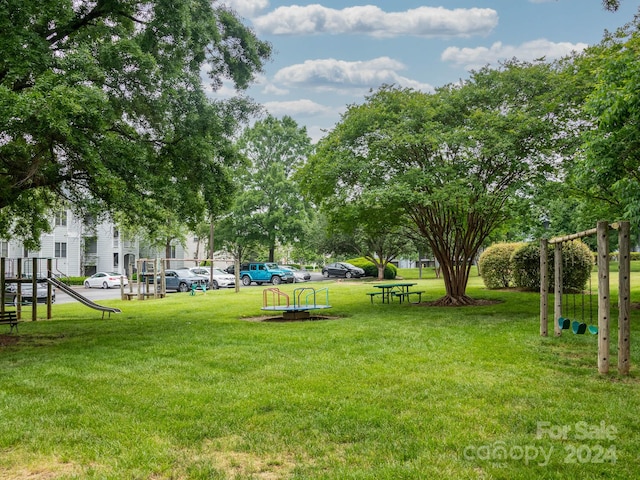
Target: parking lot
x,y
97,294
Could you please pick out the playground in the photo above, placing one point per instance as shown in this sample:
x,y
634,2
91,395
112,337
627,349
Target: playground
x,y
180,388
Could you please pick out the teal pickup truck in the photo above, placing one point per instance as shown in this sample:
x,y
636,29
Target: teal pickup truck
x,y
265,273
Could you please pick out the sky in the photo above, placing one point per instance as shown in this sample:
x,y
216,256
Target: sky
x,y
329,54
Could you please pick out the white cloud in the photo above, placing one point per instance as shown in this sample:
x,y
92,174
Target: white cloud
x,y
302,107
344,77
371,20
271,89
474,58
247,8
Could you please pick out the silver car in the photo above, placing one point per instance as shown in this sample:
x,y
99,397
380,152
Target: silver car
x,y
220,279
26,293
298,275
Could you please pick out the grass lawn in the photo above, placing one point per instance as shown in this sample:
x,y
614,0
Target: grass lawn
x,y
187,387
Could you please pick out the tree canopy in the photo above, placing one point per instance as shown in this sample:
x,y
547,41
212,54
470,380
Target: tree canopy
x,y
103,103
609,169
269,208
451,161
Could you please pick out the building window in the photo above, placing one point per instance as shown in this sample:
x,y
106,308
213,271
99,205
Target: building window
x,y
172,251
4,248
116,260
61,250
61,219
91,245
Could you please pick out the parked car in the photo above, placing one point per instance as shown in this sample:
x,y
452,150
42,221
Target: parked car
x,y
298,275
342,269
26,291
105,280
220,278
182,280
264,272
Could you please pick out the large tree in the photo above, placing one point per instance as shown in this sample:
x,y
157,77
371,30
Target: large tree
x,y
102,103
610,169
269,199
451,161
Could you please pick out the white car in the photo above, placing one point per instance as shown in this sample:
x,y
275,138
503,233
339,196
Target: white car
x,y
221,279
105,280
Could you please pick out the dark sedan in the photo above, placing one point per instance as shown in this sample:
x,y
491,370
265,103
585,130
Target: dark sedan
x,y
342,269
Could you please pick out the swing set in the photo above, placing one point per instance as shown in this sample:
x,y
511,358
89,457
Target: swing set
x,y
604,304
578,327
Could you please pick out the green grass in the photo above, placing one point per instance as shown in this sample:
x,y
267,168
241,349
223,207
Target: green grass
x,y
187,388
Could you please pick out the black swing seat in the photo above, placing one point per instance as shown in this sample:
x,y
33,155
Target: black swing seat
x,y
578,328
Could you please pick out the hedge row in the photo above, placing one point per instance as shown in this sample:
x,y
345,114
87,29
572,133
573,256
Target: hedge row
x,y
518,265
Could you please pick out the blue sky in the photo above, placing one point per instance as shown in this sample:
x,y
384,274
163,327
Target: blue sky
x,y
329,54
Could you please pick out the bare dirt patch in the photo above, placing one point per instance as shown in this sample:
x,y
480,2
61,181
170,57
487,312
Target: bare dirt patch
x,y
480,302
8,340
271,318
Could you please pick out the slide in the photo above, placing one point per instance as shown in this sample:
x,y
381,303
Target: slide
x,y
81,298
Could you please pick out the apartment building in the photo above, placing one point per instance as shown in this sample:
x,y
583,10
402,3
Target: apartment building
x,y
81,247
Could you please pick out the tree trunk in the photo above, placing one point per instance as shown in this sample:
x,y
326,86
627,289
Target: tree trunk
x,y
167,252
381,271
456,277
272,253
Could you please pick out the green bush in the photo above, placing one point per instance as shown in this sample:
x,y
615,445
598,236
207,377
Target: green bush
x,y
370,270
495,265
526,266
633,256
577,262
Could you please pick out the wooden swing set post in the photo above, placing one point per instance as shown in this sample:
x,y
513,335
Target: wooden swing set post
x,y
544,287
604,303
624,298
557,311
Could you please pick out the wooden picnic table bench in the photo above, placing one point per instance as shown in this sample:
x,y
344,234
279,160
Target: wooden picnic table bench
x,y
9,317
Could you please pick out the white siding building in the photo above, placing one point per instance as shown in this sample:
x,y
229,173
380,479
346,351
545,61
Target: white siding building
x,y
83,248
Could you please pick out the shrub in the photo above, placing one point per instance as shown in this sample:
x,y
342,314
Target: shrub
x,y
526,266
577,262
370,270
495,265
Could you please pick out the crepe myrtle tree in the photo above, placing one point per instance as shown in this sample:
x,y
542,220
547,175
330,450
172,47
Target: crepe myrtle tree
x,y
450,161
103,103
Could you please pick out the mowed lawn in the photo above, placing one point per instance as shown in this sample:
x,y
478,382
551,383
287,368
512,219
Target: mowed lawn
x,y
192,387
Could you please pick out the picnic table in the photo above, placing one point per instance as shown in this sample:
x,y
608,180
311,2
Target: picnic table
x,y
400,290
